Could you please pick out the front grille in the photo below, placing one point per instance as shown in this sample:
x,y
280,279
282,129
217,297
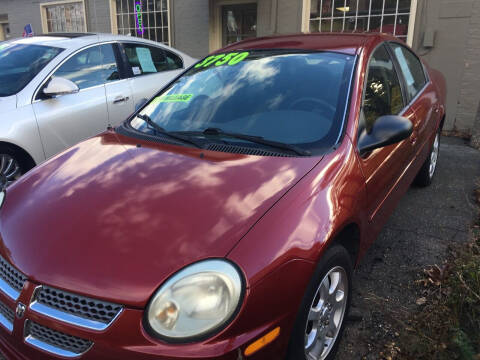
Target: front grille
x,y
56,339
6,317
6,312
11,276
78,305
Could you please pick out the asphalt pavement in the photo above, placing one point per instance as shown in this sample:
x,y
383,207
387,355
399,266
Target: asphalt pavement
x,y
426,222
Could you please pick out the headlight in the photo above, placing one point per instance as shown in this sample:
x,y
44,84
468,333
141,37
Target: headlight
x,y
196,301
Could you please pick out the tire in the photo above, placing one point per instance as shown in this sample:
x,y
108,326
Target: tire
x,y
12,164
427,171
307,335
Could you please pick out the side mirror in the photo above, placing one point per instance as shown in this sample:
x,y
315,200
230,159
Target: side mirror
x,y
60,86
387,130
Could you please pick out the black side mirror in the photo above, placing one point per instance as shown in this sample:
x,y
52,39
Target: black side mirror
x,y
387,130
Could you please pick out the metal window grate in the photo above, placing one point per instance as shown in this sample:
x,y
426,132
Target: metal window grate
x,y
78,305
11,276
387,16
154,17
57,339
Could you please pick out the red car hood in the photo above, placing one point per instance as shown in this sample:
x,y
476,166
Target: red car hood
x,y
112,219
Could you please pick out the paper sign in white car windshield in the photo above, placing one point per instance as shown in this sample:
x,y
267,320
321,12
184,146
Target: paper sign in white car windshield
x,y
136,70
404,64
145,59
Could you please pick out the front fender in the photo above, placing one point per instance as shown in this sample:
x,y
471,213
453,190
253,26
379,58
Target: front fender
x,y
19,127
307,218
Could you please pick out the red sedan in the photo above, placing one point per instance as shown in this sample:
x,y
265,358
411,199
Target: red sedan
x,y
224,218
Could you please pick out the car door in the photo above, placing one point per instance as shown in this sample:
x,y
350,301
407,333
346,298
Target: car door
x,y
67,119
151,68
415,81
383,168
118,90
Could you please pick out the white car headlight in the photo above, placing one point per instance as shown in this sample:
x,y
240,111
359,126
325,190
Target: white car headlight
x,y
196,301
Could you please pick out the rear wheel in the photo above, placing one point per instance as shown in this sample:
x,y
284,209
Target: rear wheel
x,y
321,319
427,171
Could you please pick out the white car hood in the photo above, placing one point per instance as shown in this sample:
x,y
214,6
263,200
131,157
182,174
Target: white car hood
x,y
8,103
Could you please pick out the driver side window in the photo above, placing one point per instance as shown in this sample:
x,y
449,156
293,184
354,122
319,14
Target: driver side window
x,y
383,93
91,67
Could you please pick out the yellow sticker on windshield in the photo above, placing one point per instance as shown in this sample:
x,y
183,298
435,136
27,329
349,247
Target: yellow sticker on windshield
x,y
223,59
172,98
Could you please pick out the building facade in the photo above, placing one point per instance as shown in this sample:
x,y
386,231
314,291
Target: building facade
x,y
445,32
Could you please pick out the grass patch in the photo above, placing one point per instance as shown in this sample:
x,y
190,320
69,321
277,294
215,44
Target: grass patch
x,y
447,326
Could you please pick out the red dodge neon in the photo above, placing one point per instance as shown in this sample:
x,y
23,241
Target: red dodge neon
x,y
224,218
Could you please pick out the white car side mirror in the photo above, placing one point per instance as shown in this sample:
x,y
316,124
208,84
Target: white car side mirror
x,y
60,86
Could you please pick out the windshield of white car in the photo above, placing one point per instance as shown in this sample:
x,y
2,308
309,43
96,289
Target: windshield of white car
x,y
20,63
290,97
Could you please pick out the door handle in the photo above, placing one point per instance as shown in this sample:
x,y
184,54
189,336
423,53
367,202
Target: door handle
x,y
120,99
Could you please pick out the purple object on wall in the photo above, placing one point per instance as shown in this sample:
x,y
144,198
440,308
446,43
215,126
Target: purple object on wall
x,y
139,17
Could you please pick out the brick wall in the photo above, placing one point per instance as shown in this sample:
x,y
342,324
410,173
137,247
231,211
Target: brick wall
x,y
98,16
23,12
191,26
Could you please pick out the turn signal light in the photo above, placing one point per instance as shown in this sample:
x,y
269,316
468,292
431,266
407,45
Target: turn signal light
x,y
262,342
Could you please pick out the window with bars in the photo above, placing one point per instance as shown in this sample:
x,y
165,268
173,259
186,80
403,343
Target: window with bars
x,y
386,16
68,17
147,19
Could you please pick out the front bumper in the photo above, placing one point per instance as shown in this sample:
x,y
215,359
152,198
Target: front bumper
x,y
126,338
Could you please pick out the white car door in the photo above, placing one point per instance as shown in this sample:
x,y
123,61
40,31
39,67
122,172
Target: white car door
x,y
152,68
120,102
65,120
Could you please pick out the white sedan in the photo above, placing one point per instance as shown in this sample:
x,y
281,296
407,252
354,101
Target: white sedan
x,y
59,89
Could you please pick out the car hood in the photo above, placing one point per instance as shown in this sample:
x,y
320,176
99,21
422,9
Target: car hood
x,y
8,103
113,217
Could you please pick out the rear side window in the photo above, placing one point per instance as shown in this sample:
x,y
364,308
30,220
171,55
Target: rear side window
x,y
383,93
412,69
145,59
174,61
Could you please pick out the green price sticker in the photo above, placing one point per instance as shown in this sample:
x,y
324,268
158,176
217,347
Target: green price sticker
x,y
223,59
172,98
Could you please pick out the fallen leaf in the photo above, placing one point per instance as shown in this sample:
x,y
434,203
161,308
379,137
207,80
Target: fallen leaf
x,y
421,301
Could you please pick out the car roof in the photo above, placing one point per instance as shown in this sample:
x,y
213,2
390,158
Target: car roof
x,y
77,40
348,43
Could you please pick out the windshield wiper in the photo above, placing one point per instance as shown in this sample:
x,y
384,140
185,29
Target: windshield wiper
x,y
258,140
160,130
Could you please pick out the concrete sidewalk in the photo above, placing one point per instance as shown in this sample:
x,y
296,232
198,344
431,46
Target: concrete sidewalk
x,y
426,222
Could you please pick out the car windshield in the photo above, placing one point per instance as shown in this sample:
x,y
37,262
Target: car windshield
x,y
19,63
295,98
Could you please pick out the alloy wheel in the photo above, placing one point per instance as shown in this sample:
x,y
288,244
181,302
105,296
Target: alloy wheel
x,y
326,314
434,156
9,168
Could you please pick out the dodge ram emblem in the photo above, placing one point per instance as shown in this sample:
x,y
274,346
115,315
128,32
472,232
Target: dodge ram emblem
x,y
20,311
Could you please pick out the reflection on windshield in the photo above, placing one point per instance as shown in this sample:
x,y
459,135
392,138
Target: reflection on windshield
x,y
20,63
293,98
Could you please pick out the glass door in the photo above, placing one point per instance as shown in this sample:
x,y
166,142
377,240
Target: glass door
x,y
239,22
